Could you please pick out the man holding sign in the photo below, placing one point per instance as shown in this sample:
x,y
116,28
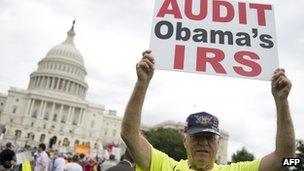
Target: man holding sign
x,y
201,134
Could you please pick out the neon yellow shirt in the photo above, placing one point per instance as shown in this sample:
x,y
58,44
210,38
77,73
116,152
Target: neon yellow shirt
x,y
162,162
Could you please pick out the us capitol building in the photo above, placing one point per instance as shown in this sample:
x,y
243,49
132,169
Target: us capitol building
x,y
54,105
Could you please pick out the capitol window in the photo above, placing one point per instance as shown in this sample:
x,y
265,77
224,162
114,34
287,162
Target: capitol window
x,y
46,116
34,114
14,109
55,118
18,133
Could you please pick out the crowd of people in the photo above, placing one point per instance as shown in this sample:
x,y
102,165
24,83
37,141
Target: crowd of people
x,y
52,160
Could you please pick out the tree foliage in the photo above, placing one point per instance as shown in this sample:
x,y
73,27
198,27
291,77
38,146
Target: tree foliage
x,y
242,155
169,141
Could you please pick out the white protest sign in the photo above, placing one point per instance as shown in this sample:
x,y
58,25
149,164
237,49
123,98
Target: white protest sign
x,y
217,37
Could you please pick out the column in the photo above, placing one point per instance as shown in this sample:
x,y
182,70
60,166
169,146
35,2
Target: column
x,y
78,88
70,87
60,114
31,83
80,117
53,82
35,81
83,115
57,84
38,81
73,88
72,115
44,108
52,112
67,86
41,82
28,106
47,82
40,109
31,107
69,115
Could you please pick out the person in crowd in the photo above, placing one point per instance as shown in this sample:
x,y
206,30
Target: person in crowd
x,y
108,163
125,164
73,165
50,161
91,164
58,163
201,133
42,160
7,157
82,160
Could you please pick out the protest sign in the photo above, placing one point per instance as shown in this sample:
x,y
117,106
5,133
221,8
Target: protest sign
x,y
217,37
85,149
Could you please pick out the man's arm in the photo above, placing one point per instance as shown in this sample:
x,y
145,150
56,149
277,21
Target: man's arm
x,y
139,147
285,138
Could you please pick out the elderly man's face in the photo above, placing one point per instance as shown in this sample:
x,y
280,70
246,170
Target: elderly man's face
x,y
201,149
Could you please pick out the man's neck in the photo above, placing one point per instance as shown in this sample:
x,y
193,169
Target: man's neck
x,y
206,168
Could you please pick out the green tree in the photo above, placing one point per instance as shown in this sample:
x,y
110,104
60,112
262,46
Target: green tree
x,y
169,141
300,153
242,155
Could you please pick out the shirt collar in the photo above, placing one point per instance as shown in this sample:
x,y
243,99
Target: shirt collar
x,y
128,162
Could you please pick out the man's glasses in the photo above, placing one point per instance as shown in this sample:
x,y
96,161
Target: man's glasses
x,y
205,136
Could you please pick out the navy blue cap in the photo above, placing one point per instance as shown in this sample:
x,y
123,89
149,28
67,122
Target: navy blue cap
x,y
202,122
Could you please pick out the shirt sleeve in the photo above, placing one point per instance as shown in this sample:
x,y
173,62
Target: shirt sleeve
x,y
159,160
246,166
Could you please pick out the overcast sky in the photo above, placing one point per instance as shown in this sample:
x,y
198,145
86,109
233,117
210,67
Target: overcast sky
x,y
111,35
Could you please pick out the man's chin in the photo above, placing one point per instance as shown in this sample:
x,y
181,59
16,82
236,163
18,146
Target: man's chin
x,y
203,157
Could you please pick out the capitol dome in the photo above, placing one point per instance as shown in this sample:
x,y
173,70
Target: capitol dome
x,y
61,70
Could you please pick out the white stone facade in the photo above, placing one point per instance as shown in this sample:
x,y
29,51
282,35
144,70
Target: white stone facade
x,y
54,104
222,154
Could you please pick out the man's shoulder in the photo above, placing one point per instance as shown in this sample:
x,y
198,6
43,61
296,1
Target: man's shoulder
x,y
121,166
7,152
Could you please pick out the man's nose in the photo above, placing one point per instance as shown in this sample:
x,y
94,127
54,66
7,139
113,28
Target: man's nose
x,y
202,141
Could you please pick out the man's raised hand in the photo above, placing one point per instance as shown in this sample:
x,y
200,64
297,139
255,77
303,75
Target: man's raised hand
x,y
280,85
145,67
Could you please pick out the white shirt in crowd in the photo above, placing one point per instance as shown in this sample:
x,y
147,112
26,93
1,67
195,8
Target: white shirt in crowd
x,y
42,162
72,167
59,164
107,164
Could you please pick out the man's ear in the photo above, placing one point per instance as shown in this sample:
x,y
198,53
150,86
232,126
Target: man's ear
x,y
184,139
